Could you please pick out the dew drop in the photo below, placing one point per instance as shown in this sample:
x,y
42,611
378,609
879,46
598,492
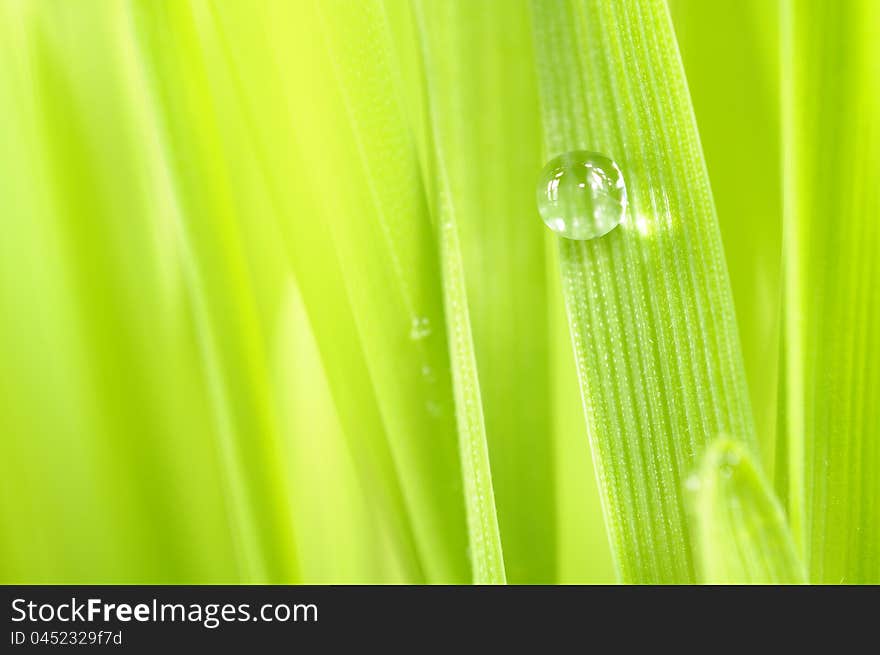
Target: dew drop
x,y
433,408
692,483
729,463
581,195
420,328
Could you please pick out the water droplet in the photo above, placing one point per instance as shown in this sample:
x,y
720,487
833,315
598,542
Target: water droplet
x,y
729,463
420,328
581,195
433,408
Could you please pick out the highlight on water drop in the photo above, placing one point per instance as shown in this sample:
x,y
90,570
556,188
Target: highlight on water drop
x,y
581,195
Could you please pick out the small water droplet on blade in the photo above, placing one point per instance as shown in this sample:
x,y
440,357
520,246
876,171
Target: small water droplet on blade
x,y
420,328
692,483
729,463
581,195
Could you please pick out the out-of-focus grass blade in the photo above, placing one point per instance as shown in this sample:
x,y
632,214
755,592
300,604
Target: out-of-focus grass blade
x,y
296,188
742,536
233,335
736,102
831,119
649,304
100,384
483,102
346,185
399,305
447,97
337,539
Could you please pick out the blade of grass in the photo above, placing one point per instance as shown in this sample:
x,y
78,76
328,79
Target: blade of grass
x,y
337,540
101,386
831,116
484,538
736,102
233,335
649,305
292,194
484,101
410,370
742,535
303,200
356,222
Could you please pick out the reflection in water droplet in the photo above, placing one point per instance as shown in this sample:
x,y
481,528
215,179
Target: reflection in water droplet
x,y
581,195
420,328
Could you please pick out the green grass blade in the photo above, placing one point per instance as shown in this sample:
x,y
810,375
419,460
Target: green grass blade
x,y
742,535
736,102
363,250
400,306
486,117
831,118
338,541
221,281
485,541
487,560
92,487
649,305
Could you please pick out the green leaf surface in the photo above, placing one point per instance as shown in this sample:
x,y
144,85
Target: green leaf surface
x,y
584,552
743,537
649,304
831,119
